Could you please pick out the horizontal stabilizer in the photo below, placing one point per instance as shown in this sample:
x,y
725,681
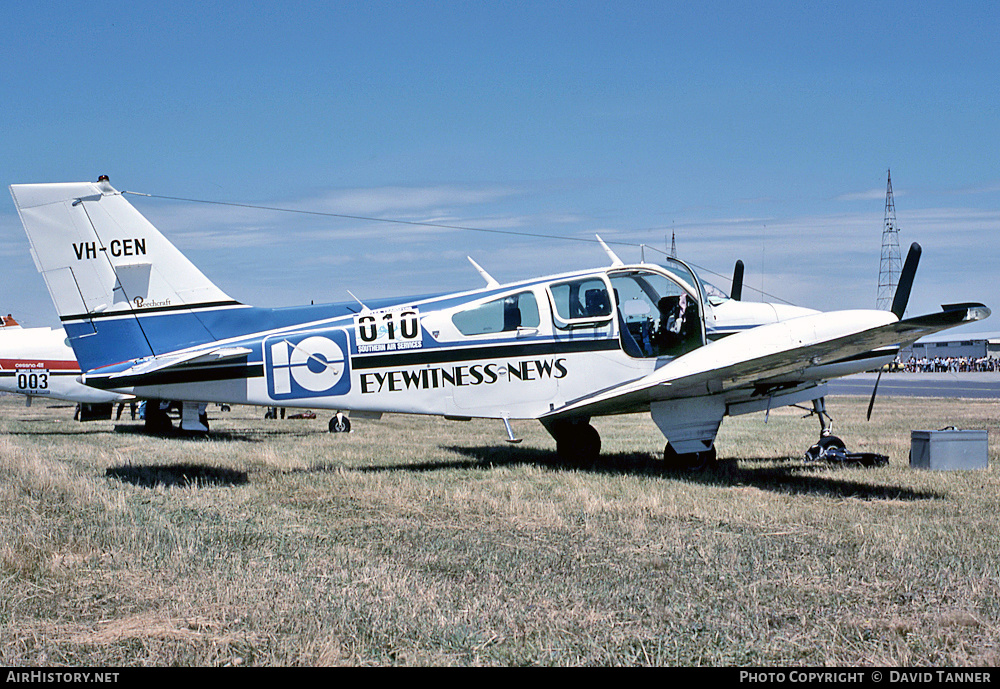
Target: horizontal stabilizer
x,y
161,363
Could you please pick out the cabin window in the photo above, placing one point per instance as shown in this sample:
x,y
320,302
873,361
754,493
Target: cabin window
x,y
585,300
656,315
500,315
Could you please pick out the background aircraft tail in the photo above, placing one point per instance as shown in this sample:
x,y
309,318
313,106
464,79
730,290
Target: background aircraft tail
x,y
121,289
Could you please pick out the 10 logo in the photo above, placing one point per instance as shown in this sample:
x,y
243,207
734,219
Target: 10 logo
x,y
307,365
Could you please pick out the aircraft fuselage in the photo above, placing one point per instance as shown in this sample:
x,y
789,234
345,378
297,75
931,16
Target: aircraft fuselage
x,y
518,351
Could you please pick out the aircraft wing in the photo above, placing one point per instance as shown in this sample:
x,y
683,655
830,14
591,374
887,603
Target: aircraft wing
x,y
783,351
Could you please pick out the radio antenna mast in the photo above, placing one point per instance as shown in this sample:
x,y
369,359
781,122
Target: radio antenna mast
x,y
888,272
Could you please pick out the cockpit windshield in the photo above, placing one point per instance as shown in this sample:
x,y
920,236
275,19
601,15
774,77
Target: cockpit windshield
x,y
708,290
715,294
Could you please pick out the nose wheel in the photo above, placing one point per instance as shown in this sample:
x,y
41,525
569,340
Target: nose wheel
x,y
830,448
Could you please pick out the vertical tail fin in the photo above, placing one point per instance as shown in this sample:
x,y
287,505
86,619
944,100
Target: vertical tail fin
x,y
121,289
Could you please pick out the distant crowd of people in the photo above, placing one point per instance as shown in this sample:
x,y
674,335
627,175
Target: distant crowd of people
x,y
950,364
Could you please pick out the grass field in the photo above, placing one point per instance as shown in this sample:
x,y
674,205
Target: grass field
x,y
419,541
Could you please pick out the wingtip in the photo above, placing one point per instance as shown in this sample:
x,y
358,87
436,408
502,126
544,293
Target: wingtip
x,y
974,311
979,313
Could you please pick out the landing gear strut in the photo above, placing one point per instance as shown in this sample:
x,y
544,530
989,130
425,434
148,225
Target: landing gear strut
x,y
577,442
157,420
192,417
830,448
829,444
689,461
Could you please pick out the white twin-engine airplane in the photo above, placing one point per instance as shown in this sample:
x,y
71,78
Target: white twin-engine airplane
x,y
39,362
561,349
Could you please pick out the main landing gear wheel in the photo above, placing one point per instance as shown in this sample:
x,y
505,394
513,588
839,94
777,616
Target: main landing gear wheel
x,y
157,420
340,424
689,461
577,442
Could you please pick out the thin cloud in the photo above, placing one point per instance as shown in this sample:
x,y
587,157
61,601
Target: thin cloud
x,y
224,225
870,195
982,189
383,200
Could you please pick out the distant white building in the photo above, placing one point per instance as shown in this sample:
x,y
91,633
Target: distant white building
x,y
951,344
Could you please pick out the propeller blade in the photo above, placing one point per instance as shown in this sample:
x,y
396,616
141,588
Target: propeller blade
x,y
874,390
737,291
906,280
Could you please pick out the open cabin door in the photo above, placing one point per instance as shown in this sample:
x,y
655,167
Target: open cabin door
x,y
661,311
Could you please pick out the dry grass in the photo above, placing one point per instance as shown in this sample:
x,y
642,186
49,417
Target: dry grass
x,y
426,542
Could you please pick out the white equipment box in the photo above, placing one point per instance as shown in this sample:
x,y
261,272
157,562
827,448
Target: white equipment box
x,y
949,449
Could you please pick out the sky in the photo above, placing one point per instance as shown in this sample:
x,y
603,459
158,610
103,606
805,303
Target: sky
x,y
759,131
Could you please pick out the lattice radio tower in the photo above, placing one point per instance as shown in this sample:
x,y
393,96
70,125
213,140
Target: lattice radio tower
x,y
888,272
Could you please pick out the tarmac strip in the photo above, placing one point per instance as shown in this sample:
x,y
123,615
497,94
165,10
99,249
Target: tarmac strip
x,y
957,385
